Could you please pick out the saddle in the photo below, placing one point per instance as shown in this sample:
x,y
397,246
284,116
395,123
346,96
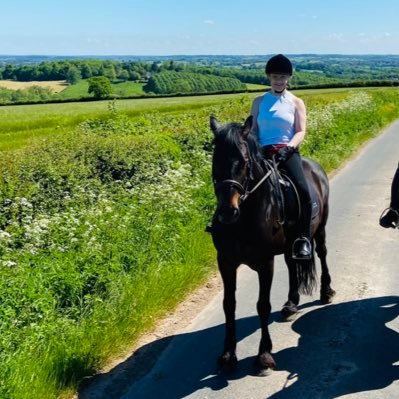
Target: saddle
x,y
287,198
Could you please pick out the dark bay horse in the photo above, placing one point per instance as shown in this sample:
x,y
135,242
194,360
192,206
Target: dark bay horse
x,y
246,229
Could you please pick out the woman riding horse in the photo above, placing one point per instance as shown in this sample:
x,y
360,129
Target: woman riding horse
x,y
247,229
280,124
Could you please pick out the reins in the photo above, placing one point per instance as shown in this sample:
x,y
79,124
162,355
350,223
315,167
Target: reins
x,y
248,193
243,191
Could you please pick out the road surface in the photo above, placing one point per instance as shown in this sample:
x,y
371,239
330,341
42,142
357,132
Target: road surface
x,y
349,349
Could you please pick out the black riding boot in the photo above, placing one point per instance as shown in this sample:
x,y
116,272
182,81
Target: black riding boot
x,y
302,248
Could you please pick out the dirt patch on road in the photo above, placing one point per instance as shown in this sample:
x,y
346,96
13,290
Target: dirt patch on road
x,y
116,378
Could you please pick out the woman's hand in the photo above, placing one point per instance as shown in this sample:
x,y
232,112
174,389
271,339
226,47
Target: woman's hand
x,y
284,153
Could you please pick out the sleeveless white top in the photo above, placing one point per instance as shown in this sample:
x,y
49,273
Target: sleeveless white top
x,y
276,116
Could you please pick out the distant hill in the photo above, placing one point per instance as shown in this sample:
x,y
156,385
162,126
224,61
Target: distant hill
x,y
389,59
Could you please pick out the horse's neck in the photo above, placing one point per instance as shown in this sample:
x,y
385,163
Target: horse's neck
x,y
262,203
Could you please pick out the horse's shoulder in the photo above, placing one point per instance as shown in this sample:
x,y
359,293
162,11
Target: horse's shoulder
x,y
313,169
310,163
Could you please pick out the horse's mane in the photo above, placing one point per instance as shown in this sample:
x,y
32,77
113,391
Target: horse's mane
x,y
230,135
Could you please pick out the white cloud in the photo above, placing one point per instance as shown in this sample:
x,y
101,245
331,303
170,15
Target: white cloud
x,y
335,37
93,40
209,22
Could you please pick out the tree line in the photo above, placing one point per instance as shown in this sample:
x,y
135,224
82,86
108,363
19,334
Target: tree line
x,y
185,82
164,77
307,71
74,70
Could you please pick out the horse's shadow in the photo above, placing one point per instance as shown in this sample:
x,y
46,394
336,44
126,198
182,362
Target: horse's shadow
x,y
342,349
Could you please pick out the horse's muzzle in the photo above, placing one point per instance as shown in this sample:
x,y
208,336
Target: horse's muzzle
x,y
228,215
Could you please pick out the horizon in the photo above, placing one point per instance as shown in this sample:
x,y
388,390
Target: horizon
x,y
200,55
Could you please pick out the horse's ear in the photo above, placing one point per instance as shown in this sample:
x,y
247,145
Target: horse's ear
x,y
215,125
247,126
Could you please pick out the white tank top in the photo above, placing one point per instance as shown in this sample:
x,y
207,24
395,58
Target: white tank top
x,y
276,116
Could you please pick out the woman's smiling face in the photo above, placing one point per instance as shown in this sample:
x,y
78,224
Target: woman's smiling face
x,y
278,81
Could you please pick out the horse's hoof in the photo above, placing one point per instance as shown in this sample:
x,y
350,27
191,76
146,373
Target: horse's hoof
x,y
289,311
227,362
264,372
265,365
327,296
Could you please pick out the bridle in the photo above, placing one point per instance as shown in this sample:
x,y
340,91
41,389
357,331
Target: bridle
x,y
243,188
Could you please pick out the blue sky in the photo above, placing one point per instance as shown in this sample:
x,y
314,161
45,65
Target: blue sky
x,y
171,27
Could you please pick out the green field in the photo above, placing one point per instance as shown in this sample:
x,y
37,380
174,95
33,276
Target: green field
x,y
21,124
255,87
121,89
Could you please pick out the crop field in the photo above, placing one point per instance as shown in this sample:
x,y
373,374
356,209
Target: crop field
x,y
102,213
56,86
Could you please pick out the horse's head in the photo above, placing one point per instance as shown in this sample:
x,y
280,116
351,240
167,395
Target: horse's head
x,y
234,149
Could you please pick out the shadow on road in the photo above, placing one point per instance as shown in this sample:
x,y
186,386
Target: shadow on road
x,y
342,349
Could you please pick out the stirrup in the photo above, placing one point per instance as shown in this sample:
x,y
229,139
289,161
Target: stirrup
x,y
385,213
294,251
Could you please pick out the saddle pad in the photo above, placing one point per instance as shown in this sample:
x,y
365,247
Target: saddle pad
x,y
291,200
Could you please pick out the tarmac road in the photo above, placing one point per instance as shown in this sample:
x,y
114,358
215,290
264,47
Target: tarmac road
x,y
347,349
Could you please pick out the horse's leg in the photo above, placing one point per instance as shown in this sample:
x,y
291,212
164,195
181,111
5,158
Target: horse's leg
x,y
290,307
228,270
326,292
265,361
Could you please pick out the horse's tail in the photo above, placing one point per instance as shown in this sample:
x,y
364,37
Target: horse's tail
x,y
307,276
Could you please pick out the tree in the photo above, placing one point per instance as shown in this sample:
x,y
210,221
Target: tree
x,y
73,75
100,86
123,75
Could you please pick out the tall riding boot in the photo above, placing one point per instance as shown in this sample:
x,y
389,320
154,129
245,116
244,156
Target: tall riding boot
x,y
302,247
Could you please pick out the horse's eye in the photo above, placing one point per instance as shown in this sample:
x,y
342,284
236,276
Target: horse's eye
x,y
238,165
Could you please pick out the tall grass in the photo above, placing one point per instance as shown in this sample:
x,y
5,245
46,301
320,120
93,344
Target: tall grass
x,y
102,227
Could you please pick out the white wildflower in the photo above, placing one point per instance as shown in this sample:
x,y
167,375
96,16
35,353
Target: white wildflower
x,y
8,263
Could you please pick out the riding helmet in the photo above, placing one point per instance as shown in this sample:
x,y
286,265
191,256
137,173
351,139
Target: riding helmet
x,y
279,64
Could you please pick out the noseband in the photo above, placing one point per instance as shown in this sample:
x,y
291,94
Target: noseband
x,y
244,193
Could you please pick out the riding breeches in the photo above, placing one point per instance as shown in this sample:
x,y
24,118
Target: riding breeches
x,y
294,169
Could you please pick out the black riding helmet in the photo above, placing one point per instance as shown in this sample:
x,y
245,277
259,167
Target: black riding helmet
x,y
279,64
